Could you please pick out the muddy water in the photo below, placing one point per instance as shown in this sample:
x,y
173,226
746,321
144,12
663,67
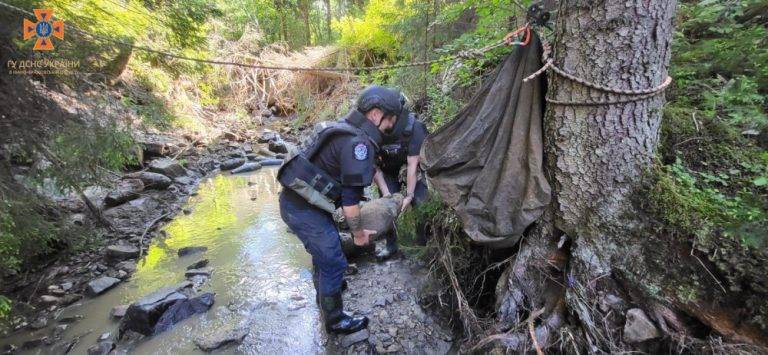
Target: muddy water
x,y
261,275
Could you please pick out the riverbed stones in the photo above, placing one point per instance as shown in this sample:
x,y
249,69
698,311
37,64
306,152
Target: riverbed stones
x,y
191,250
182,310
354,338
251,166
102,348
121,252
142,315
128,266
49,300
278,146
225,337
126,190
101,285
198,264
168,167
638,328
268,136
151,180
118,311
230,164
39,323
205,271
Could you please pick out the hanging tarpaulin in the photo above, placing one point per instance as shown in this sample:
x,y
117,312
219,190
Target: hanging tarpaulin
x,y
487,163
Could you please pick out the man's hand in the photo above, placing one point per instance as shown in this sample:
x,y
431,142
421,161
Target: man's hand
x,y
362,237
406,203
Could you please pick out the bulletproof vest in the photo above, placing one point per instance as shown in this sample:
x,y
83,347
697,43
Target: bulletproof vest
x,y
299,174
394,152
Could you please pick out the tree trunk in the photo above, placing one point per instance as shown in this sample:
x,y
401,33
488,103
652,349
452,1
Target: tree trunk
x,y
594,255
328,19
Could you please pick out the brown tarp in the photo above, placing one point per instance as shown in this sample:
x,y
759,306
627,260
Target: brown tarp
x,y
487,163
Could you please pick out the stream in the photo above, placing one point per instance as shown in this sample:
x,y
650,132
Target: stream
x,y
261,276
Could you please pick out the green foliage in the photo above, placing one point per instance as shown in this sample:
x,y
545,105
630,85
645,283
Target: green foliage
x,y
371,38
5,307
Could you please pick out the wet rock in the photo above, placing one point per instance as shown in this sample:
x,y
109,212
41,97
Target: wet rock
x,y
104,336
182,310
102,348
278,146
268,136
121,274
128,266
183,180
130,217
186,211
151,180
354,338
125,191
270,162
233,163
638,327
252,166
198,265
118,311
142,315
70,299
206,271
101,285
121,252
39,323
49,300
59,329
168,167
70,319
190,250
222,338
31,344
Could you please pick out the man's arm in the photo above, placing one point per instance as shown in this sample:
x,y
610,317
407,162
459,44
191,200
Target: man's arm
x,y
350,199
378,177
410,180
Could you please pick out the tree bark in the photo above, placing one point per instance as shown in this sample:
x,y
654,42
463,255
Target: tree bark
x,y
594,244
328,19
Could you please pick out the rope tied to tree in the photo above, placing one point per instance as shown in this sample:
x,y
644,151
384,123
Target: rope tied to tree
x,y
637,94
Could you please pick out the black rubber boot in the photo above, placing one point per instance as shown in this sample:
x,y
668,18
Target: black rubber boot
x,y
338,321
390,248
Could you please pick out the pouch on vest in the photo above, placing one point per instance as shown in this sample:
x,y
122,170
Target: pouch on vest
x,y
307,180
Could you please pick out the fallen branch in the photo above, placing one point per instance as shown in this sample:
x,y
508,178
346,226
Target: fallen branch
x,y
146,230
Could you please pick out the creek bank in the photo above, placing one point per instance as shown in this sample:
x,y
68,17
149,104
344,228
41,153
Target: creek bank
x,y
138,203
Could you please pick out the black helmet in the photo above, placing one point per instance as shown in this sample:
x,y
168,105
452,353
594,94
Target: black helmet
x,y
375,96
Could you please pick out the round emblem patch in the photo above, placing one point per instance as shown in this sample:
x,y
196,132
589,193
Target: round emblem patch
x,y
361,151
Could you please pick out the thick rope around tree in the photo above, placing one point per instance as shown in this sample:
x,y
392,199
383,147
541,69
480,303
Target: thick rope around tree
x,y
637,95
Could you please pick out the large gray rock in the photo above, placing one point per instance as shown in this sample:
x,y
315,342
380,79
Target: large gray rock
x,y
168,167
182,310
184,251
101,285
128,266
252,166
151,180
131,216
205,271
121,252
126,190
222,338
354,338
233,163
278,146
638,327
143,314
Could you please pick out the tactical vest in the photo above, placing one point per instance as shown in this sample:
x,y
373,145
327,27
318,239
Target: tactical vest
x,y
299,174
392,156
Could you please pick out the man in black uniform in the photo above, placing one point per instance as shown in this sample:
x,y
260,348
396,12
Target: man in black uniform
x,y
401,147
329,172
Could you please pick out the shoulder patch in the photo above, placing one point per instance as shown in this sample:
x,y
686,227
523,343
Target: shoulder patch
x,y
361,151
